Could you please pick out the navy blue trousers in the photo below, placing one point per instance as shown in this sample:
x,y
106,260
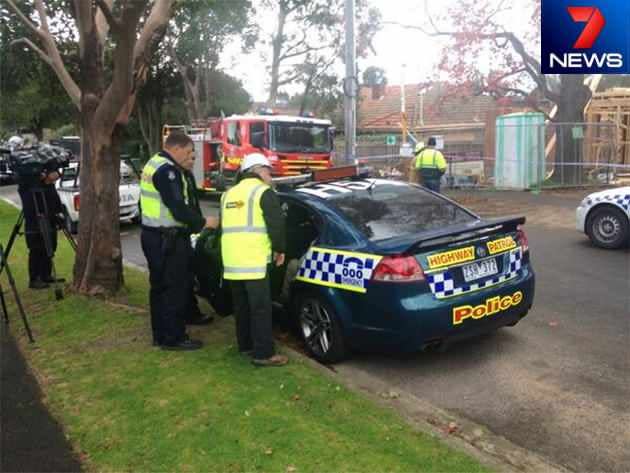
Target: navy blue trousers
x,y
171,280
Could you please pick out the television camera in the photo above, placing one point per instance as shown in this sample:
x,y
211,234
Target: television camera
x,y
29,164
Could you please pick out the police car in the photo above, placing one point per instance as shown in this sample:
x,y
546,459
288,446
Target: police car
x,y
375,264
605,217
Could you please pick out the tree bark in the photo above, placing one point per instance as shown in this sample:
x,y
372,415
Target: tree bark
x,y
278,41
191,89
98,262
104,111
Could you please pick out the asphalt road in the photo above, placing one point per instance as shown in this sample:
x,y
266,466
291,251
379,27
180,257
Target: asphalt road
x,y
559,382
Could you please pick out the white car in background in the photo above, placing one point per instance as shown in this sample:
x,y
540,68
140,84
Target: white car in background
x,y
129,194
605,217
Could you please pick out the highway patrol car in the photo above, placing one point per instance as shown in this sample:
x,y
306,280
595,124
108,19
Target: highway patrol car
x,y
376,264
605,217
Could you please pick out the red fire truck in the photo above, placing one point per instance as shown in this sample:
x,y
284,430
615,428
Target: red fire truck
x,y
293,145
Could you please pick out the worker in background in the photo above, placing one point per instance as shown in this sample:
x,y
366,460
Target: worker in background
x,y
430,165
170,213
414,174
253,236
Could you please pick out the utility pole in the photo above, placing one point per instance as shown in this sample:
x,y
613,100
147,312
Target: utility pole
x,y
350,86
403,106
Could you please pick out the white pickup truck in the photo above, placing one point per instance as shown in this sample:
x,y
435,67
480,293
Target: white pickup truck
x,y
129,191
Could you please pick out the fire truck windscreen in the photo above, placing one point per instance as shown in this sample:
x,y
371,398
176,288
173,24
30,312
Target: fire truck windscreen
x,y
299,138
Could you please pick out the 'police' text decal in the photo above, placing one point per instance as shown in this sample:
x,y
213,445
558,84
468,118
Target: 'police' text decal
x,y
340,269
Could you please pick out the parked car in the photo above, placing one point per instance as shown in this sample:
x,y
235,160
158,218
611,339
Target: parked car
x,y
129,195
6,174
382,265
605,217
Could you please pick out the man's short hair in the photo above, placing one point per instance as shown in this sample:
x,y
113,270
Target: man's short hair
x,y
177,139
431,141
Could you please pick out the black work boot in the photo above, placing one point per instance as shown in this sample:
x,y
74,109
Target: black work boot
x,y
38,284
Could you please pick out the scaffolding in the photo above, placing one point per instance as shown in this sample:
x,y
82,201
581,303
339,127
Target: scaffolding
x,y
611,107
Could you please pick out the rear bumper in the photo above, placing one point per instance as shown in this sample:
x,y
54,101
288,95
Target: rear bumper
x,y
416,322
129,212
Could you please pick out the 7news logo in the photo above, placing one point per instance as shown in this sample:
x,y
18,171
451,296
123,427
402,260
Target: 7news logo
x,y
581,37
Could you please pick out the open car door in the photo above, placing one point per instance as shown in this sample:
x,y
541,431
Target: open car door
x,y
208,268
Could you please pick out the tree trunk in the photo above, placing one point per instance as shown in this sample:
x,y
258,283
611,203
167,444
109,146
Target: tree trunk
x,y
98,263
307,90
574,96
149,114
277,41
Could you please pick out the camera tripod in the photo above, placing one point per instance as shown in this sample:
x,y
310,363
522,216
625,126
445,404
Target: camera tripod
x,y
18,301
44,229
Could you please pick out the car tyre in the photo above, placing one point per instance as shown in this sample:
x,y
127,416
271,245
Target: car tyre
x,y
320,329
608,227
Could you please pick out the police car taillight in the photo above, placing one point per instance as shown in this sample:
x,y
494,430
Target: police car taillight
x,y
521,238
398,269
77,202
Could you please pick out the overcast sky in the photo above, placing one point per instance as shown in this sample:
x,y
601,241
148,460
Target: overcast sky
x,y
394,46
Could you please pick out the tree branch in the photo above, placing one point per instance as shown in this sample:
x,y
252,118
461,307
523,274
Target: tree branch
x,y
43,17
102,26
289,79
45,57
309,49
114,24
153,31
24,19
51,54
293,47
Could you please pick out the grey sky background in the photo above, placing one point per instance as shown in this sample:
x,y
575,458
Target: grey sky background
x,y
394,45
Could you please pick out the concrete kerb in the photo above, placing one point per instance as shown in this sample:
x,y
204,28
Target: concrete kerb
x,y
461,434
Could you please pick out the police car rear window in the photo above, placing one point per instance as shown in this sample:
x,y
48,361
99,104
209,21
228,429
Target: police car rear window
x,y
383,209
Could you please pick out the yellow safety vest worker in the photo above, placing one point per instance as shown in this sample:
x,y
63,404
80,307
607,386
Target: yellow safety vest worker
x,y
154,212
430,159
245,244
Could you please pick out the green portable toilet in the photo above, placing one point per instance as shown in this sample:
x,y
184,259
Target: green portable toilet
x,y
520,151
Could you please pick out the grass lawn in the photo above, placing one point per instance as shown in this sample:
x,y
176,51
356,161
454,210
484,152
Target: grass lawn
x,y
126,406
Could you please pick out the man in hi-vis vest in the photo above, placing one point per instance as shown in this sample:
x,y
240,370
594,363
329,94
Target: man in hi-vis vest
x,y
252,238
431,165
170,213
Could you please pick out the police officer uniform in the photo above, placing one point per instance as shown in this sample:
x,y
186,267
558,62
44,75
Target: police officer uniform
x,y
170,213
253,227
431,165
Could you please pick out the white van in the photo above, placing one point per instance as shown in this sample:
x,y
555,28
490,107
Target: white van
x,y
129,192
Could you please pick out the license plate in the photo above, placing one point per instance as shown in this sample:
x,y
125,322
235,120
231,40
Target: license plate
x,y
479,270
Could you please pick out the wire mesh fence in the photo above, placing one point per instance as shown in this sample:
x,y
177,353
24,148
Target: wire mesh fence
x,y
529,156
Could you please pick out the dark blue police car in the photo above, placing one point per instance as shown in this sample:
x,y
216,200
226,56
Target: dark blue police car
x,y
376,264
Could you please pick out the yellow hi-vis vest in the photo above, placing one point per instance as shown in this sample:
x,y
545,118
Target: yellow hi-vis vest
x,y
430,159
245,244
154,212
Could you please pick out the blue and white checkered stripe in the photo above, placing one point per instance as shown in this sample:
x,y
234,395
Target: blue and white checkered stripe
x,y
337,269
443,285
622,200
